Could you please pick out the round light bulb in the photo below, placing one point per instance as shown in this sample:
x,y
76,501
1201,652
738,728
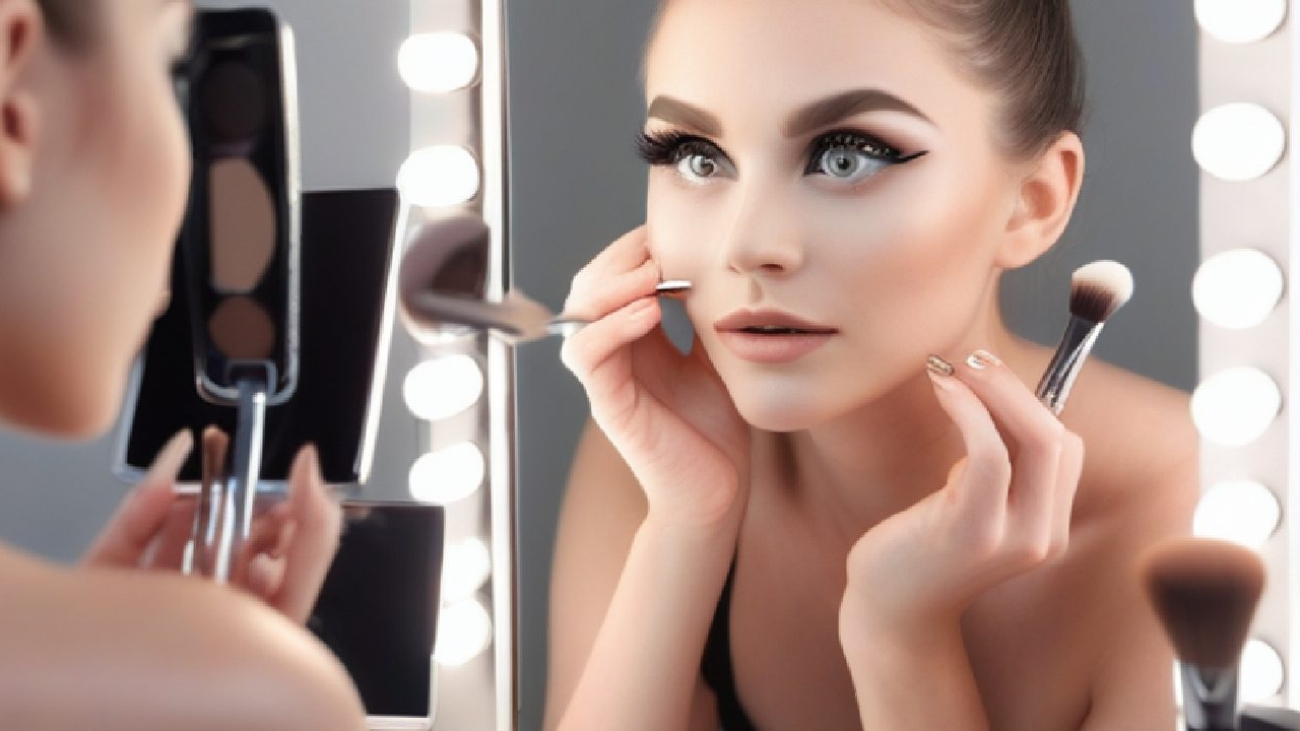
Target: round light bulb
x,y
1262,672
443,387
464,632
1235,407
1240,511
1240,21
1237,142
438,62
448,475
444,175
1238,289
466,567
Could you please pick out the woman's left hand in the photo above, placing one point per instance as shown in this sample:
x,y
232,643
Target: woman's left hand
x,y
283,561
1004,511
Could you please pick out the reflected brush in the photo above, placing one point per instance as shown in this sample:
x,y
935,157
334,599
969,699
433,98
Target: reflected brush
x,y
1097,290
1205,593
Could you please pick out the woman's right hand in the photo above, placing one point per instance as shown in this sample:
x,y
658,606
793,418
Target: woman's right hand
x,y
669,415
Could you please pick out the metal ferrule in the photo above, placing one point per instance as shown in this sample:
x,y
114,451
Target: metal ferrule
x,y
1209,697
1076,343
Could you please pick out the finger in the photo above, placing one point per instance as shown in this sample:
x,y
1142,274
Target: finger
x,y
598,356
266,536
265,576
137,521
602,292
1067,486
317,518
982,482
1035,437
168,550
626,253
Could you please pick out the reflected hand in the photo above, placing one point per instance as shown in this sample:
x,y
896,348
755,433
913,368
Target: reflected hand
x,y
283,561
1004,511
669,415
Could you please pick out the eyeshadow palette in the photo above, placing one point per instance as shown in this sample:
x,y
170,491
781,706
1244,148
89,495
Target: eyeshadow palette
x,y
349,242
239,242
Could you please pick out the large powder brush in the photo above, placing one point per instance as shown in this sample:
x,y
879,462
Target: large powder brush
x,y
1205,593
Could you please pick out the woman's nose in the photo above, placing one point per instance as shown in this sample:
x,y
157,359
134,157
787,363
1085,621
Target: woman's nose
x,y
762,235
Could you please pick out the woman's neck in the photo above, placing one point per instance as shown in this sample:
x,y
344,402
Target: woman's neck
x,y
849,474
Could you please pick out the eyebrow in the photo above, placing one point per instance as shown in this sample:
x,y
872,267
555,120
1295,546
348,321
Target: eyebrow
x,y
818,114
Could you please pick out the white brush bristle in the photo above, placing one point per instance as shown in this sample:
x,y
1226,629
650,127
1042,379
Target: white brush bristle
x,y
1100,288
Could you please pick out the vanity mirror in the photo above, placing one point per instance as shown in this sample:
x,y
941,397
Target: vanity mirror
x,y
577,184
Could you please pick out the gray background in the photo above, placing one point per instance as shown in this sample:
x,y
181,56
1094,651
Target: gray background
x,y
577,184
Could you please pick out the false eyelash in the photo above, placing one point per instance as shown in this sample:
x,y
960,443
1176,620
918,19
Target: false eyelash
x,y
669,147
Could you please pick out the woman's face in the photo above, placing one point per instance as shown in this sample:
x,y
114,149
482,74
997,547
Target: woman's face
x,y
85,254
828,162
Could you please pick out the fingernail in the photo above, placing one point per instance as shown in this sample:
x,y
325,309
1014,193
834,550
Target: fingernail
x,y
169,462
981,359
939,367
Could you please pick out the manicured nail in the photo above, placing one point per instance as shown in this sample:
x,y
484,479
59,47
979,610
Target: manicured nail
x,y
939,367
169,462
981,359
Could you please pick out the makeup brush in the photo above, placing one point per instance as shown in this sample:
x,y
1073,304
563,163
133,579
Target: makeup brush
x,y
1205,593
1097,290
441,285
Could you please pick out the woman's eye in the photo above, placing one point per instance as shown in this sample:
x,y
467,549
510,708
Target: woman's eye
x,y
849,164
696,165
694,158
852,156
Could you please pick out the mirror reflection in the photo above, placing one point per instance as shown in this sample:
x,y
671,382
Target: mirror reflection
x,y
852,188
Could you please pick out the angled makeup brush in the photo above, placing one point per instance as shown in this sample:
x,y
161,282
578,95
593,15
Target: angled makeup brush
x,y
441,285
1205,593
1097,290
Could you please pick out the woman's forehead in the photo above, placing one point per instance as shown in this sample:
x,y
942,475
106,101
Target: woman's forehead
x,y
737,56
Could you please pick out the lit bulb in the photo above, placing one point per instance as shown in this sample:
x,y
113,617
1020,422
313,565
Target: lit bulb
x,y
445,175
1262,672
438,62
1240,21
1238,289
466,567
1237,142
448,475
443,387
1236,406
464,632
1243,512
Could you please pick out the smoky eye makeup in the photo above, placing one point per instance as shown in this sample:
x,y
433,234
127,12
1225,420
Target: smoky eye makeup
x,y
669,147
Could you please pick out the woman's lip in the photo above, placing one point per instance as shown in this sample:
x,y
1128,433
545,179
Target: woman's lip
x,y
742,320
772,349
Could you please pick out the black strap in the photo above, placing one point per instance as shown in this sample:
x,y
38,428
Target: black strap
x,y
716,664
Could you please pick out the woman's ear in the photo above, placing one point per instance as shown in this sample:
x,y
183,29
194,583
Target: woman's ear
x,y
1044,202
21,30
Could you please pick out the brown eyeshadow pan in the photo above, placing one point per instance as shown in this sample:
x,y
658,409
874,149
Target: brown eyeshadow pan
x,y
242,330
243,226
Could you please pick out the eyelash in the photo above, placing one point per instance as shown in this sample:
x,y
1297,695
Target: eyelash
x,y
672,146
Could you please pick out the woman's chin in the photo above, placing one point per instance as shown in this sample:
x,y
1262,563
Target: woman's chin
x,y
779,412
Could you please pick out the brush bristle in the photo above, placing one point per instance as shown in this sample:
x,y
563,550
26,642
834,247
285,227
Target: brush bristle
x,y
1098,289
1205,593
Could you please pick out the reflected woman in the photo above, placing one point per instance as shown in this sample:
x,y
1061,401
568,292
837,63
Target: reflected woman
x,y
808,519
94,172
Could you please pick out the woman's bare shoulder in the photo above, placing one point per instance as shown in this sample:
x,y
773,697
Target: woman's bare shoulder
x,y
110,649
1141,446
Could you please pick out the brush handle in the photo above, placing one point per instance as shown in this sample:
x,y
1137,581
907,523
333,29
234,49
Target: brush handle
x,y
1058,379
1263,718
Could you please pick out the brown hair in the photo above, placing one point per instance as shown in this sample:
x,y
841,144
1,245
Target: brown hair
x,y
1024,49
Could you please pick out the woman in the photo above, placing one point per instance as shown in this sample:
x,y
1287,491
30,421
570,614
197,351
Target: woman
x,y
844,508
94,170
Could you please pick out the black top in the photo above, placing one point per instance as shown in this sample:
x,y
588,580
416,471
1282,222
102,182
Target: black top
x,y
716,664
